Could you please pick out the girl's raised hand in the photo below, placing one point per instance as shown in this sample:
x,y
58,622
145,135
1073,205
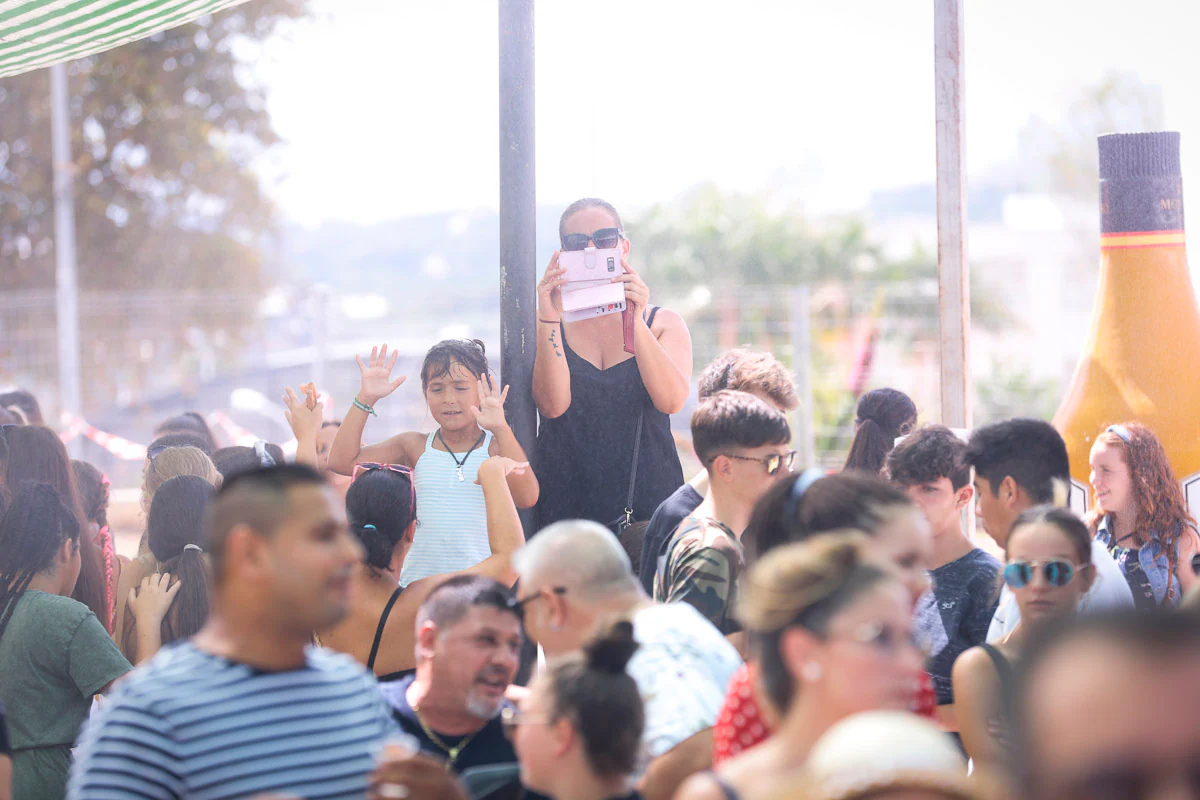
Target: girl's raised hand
x,y
505,466
303,420
377,380
489,414
151,601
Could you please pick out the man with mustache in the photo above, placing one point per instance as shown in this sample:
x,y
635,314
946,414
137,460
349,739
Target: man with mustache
x,y
468,650
246,707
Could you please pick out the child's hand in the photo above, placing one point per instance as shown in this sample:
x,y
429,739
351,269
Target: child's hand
x,y
489,415
153,599
377,380
305,421
503,466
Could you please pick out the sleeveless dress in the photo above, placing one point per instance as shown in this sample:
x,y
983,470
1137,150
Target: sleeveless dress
x,y
584,456
452,534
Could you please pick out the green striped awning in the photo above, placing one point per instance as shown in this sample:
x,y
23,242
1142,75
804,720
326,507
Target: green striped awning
x,y
38,33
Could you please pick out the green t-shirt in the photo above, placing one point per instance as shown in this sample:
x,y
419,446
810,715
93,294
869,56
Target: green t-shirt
x,y
54,656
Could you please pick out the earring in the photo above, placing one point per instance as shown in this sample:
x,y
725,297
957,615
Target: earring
x,y
811,672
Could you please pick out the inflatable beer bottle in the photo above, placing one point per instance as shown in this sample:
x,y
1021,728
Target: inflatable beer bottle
x,y
1142,358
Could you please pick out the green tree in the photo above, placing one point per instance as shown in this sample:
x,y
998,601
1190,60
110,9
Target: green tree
x,y
163,135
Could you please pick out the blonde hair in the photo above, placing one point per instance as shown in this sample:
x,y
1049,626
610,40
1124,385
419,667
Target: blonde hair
x,y
173,462
805,585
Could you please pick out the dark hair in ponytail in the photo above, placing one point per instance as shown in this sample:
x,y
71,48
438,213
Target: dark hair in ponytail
x,y
601,700
176,520
34,527
471,353
37,454
884,415
380,507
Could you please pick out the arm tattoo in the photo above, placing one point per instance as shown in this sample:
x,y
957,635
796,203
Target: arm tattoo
x,y
554,343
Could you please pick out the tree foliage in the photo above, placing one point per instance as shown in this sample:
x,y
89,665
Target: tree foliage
x,y
163,135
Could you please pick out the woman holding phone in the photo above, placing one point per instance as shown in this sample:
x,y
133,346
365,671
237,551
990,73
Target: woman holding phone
x,y
600,403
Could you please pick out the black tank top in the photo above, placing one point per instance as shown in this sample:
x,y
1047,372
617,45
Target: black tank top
x,y
387,611
584,456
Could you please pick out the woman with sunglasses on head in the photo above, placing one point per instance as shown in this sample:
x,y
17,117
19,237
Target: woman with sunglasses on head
x,y
468,407
810,505
1049,569
605,387
578,734
831,629
382,509
1141,515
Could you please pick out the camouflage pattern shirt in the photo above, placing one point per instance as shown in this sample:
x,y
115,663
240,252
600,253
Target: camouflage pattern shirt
x,y
703,563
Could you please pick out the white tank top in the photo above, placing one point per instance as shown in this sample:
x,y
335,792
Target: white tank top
x,y
452,535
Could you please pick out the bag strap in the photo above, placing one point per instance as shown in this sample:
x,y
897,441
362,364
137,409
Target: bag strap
x,y
633,469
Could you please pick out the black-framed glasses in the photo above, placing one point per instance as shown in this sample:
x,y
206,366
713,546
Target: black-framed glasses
x,y
604,239
512,718
1058,573
519,605
773,462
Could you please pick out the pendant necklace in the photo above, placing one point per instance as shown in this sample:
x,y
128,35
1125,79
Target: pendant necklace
x,y
463,463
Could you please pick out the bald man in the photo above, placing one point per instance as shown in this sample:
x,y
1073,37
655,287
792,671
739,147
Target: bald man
x,y
575,574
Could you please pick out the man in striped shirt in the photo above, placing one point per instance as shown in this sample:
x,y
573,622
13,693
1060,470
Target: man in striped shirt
x,y
245,707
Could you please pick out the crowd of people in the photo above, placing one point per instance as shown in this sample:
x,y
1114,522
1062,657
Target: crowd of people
x,y
362,621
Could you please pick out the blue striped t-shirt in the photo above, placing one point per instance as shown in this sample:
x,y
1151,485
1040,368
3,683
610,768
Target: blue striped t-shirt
x,y
193,725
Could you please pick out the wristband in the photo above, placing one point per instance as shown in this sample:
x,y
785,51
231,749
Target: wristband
x,y
361,406
549,321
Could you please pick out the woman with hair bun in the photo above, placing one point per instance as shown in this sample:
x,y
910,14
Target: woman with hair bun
x,y
831,630
884,415
382,506
578,733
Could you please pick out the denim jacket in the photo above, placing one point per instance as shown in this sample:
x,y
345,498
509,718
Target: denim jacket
x,y
1152,557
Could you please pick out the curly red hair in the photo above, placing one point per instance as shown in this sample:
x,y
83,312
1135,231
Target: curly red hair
x,y
1158,494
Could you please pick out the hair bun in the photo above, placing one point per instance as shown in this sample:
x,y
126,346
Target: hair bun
x,y
611,650
482,347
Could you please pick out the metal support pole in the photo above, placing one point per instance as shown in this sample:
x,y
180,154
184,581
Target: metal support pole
x,y
321,296
518,237
954,284
66,283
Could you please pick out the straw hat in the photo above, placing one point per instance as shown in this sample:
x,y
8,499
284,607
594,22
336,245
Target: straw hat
x,y
878,751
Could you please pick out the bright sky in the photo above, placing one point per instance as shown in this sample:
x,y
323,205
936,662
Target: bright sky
x,y
390,107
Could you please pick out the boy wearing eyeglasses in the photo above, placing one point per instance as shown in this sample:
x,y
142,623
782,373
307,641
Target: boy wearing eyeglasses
x,y
954,617
744,444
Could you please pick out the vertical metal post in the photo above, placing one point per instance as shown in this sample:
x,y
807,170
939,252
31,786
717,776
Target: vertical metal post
x,y
321,296
802,367
954,284
518,237
66,283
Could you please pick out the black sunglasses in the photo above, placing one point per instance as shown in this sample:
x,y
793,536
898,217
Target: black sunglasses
x,y
773,462
605,239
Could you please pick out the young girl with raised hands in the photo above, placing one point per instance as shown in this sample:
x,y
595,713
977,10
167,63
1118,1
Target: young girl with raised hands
x,y
468,408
